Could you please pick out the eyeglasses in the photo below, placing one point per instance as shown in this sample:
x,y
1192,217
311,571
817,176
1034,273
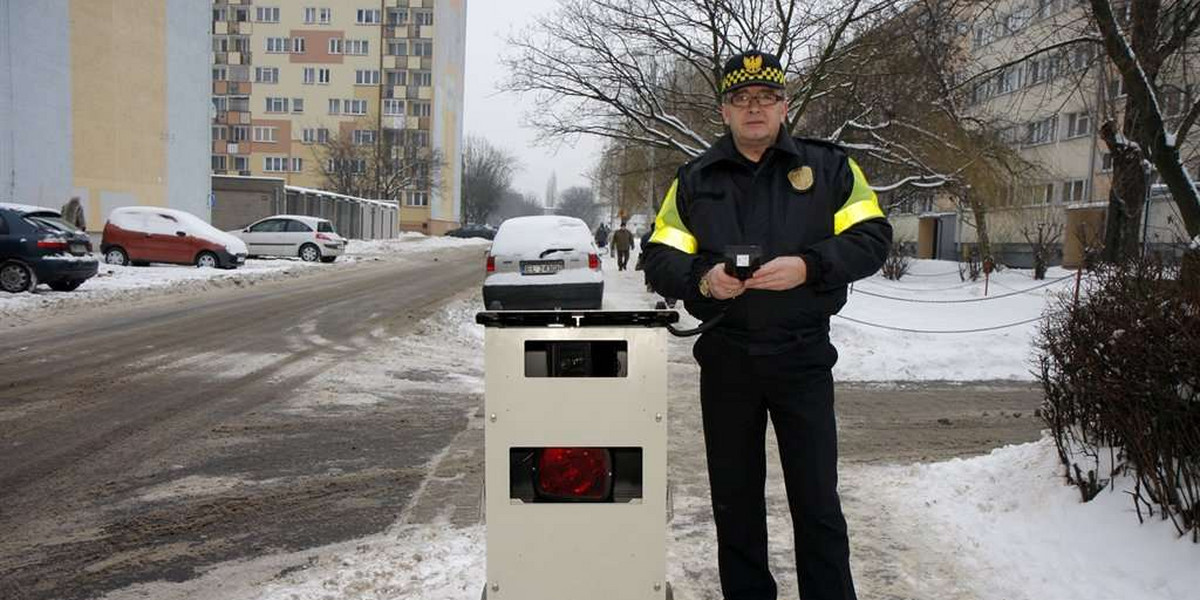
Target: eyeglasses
x,y
763,99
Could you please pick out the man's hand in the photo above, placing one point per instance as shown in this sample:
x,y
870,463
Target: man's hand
x,y
782,273
722,285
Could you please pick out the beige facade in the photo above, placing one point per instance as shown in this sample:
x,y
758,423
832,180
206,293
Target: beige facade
x,y
104,100
288,76
1049,108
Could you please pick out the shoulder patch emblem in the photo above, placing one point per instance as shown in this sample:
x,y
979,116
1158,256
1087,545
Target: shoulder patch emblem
x,y
801,178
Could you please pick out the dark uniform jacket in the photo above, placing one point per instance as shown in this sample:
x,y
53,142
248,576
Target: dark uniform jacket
x,y
803,198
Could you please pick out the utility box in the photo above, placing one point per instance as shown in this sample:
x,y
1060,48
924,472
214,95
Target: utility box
x,y
576,454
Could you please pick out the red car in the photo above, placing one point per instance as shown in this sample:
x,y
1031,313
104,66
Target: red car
x,y
139,235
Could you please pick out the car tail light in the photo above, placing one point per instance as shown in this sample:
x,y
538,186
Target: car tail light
x,y
491,264
593,261
53,243
574,473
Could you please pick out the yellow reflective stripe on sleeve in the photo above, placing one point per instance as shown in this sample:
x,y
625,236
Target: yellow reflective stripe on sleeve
x,y
861,206
669,229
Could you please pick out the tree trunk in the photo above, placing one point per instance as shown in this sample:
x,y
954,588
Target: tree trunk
x,y
983,241
1128,193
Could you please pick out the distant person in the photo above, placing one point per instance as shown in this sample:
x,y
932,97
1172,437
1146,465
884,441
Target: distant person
x,y
622,242
602,235
72,212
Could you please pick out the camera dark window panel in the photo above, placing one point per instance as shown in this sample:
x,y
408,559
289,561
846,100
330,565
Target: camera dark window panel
x,y
589,358
575,475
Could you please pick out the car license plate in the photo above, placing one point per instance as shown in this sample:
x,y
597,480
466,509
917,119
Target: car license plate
x,y
78,248
546,267
239,259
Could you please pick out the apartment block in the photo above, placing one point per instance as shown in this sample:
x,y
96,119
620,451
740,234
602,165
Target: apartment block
x,y
1048,107
105,100
290,78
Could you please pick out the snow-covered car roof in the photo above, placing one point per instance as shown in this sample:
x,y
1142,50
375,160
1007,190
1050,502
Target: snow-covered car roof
x,y
532,235
25,209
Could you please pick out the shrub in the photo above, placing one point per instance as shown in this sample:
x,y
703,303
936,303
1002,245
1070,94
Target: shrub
x,y
897,262
1121,375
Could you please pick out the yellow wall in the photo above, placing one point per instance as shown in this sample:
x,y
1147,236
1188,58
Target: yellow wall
x,y
118,107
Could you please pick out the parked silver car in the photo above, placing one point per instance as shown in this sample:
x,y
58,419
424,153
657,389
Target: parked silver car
x,y
310,238
543,262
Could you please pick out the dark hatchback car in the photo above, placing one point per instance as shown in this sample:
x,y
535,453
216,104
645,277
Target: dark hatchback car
x,y
486,232
37,246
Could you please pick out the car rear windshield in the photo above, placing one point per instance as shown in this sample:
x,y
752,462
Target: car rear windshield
x,y
49,222
325,226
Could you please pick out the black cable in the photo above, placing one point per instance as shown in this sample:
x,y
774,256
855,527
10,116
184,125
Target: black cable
x,y
705,326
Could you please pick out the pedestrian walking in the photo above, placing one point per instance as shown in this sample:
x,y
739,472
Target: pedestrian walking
x,y
622,241
817,226
72,212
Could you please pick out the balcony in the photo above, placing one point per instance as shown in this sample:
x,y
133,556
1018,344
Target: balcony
x,y
220,58
221,28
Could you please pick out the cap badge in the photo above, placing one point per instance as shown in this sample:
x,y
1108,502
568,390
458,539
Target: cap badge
x,y
801,178
752,64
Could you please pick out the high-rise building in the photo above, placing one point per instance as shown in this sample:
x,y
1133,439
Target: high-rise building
x,y
104,100
292,81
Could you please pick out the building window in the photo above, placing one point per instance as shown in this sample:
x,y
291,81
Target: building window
x,y
1045,194
1041,132
419,138
353,165
325,16
1073,191
323,76
417,199
239,104
399,78
322,135
266,75
419,108
335,106
220,44
335,45
219,74
277,105
297,105
363,137
240,133
219,14
357,47
278,44
239,73
298,45
367,16
266,134
310,75
220,133
393,107
1116,87
397,47
1106,162
423,17
241,163
397,16
267,14
308,135
420,48
354,107
1078,124
297,165
366,77
422,78
275,164
310,14
218,162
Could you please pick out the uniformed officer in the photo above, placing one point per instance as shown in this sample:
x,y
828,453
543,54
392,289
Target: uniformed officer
x,y
818,226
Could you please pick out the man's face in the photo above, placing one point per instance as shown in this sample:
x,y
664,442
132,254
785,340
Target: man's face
x,y
758,122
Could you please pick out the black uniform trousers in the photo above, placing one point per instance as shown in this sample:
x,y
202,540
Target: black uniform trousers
x,y
737,391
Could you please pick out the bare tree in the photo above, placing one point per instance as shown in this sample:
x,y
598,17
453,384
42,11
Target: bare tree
x,y
487,175
579,202
648,72
515,204
378,164
1145,39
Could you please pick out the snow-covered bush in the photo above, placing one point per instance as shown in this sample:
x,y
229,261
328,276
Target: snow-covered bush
x,y
897,262
1121,374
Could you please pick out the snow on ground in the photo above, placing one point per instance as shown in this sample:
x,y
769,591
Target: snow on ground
x,y
115,284
997,527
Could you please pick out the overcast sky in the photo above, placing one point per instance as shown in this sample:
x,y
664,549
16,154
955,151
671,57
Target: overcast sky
x,y
498,116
